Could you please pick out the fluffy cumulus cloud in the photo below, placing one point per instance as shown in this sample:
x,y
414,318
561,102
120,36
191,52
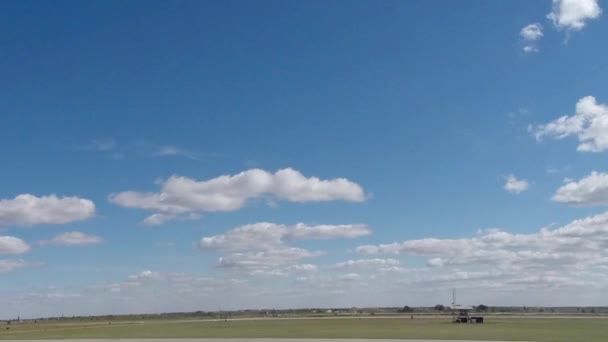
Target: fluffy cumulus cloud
x,y
515,185
531,34
72,239
28,210
183,196
13,245
264,247
573,14
589,124
589,191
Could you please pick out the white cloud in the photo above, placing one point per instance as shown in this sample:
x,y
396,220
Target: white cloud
x,y
514,185
257,236
169,150
435,262
573,14
266,260
301,231
28,210
580,246
267,236
11,265
303,268
363,263
72,239
157,219
13,245
262,248
589,124
530,35
349,277
145,275
589,191
182,195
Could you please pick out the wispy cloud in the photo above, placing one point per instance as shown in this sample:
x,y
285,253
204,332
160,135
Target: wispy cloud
x,y
72,239
169,150
99,145
530,35
117,151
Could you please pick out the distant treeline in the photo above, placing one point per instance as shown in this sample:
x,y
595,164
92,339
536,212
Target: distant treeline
x,y
314,312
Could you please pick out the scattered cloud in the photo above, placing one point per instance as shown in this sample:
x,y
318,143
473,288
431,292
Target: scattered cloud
x,y
270,260
182,195
303,268
580,246
589,191
263,247
266,235
589,124
367,263
8,265
28,210
530,35
157,219
515,185
169,150
74,238
13,245
116,151
145,275
435,262
572,15
349,277
160,219
494,265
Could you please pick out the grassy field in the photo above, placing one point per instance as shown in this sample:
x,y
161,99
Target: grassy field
x,y
507,329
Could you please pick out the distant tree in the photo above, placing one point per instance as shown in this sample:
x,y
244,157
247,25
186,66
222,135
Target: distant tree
x,y
407,309
439,307
482,307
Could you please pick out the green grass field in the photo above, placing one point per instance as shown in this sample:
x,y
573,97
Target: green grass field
x,y
507,329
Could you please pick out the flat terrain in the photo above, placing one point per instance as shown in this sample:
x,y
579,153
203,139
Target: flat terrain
x,y
495,329
248,340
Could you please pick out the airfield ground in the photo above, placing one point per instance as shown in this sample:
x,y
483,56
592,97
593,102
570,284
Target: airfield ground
x,y
495,329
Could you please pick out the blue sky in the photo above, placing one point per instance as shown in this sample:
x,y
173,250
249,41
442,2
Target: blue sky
x,y
371,153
